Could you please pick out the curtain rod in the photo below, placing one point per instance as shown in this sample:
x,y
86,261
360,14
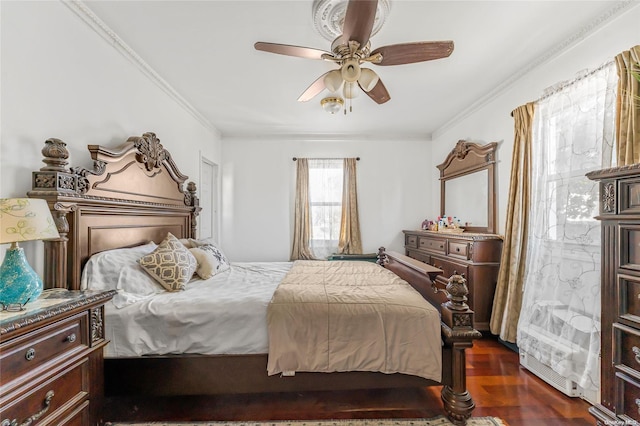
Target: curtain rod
x,y
563,85
296,158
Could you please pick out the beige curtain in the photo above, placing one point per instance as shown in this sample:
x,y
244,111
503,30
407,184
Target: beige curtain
x,y
508,295
302,227
628,107
350,241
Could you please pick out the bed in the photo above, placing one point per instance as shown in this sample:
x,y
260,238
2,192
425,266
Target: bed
x,y
134,195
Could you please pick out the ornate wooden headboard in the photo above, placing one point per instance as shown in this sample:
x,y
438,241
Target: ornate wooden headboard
x,y
133,195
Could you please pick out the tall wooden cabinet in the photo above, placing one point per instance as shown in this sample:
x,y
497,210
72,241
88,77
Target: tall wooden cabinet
x,y
476,255
620,336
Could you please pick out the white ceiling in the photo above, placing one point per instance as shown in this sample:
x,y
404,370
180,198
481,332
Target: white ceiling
x,y
203,52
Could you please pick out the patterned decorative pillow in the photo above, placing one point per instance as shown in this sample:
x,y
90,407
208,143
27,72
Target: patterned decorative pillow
x,y
221,260
171,264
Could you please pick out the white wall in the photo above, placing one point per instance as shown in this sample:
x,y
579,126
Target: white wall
x,y
258,181
59,78
493,122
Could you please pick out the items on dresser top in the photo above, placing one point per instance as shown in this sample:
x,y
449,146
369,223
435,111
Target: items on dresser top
x,y
51,359
620,295
474,255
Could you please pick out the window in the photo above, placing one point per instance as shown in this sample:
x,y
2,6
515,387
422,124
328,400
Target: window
x,y
325,201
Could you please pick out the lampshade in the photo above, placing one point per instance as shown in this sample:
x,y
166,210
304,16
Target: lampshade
x,y
350,70
22,219
332,104
350,90
368,79
333,80
25,219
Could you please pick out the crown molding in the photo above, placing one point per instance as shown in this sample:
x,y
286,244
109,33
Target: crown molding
x,y
102,29
329,137
614,11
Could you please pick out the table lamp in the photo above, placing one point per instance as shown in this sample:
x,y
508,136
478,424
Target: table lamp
x,y
22,219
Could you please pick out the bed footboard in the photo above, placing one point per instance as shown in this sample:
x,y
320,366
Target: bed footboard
x,y
457,326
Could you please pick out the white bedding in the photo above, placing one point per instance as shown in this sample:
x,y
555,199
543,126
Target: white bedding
x,y
157,326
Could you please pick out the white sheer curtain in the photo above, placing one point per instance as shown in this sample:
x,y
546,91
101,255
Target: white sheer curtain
x,y
573,134
325,200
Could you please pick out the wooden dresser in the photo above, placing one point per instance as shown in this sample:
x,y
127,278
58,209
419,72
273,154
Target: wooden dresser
x,y
475,255
51,360
620,295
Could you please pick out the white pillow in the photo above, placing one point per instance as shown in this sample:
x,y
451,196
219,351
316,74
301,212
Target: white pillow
x,y
119,270
220,262
171,264
207,264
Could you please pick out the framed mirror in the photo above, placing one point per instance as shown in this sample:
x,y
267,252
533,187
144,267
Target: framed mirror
x,y
467,186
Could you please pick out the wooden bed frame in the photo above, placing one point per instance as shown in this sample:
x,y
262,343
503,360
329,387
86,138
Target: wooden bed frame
x,y
135,194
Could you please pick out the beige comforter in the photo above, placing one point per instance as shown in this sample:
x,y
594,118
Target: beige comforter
x,y
351,316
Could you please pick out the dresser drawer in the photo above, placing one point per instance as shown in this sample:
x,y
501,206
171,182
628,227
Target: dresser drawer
x,y
411,241
629,196
432,244
80,416
626,348
629,246
628,390
31,351
459,249
629,298
56,397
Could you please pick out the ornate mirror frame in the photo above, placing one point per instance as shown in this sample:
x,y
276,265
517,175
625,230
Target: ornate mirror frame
x,y
467,158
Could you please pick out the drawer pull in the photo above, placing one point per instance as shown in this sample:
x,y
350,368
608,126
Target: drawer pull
x,y
30,355
636,352
71,338
31,420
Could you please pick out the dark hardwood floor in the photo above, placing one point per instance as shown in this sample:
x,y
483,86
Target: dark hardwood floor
x,y
499,386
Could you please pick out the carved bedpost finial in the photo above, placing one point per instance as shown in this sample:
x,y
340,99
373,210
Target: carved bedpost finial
x,y
457,293
191,199
55,155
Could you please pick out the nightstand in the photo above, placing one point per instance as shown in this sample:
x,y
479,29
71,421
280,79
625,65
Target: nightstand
x,y
51,360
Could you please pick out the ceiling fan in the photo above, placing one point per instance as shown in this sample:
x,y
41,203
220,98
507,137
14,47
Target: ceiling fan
x,y
352,48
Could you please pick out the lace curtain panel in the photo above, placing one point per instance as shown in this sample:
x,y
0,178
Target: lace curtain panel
x,y
573,133
325,200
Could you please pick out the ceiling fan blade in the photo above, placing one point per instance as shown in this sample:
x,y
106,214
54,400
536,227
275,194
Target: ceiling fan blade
x,y
358,21
289,50
315,88
379,93
408,53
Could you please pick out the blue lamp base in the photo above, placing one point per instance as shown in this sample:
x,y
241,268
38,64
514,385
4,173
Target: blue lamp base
x,y
19,283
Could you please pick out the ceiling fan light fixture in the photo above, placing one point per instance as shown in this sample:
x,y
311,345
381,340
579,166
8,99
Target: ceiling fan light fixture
x,y
350,70
350,91
332,104
333,80
368,79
